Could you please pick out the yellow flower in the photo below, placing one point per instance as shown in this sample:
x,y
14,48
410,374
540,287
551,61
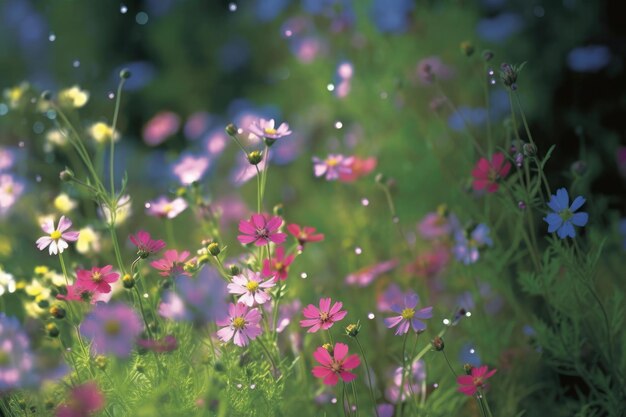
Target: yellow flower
x,y
55,278
35,289
56,137
41,270
33,310
88,241
64,203
15,95
73,97
102,133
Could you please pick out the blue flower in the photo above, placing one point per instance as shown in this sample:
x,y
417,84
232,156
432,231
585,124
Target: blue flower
x,y
466,249
564,218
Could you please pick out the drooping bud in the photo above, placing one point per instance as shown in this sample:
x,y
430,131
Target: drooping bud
x,y
467,48
353,329
231,129
57,312
66,175
125,74
437,343
468,368
128,281
530,149
214,248
255,157
278,209
234,270
52,330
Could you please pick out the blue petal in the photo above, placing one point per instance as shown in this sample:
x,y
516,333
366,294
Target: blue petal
x,y
566,230
580,219
561,200
579,201
554,222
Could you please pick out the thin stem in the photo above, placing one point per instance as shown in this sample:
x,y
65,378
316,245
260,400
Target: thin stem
x,y
343,400
266,165
67,279
330,337
258,189
116,246
143,313
169,232
521,110
356,398
485,82
395,219
369,378
118,100
269,356
486,404
401,390
448,362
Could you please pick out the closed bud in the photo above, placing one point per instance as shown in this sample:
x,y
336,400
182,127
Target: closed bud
x,y
353,329
508,75
437,343
181,192
255,157
203,259
529,149
128,281
279,209
214,248
46,95
521,205
66,175
234,270
467,48
269,141
57,312
329,348
52,330
468,368
125,74
43,303
380,178
579,168
487,55
231,129
101,362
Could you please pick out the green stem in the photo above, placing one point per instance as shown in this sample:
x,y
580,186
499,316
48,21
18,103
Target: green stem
x,y
118,100
401,390
116,246
395,219
485,82
356,398
258,189
269,357
486,404
448,362
369,378
143,313
169,232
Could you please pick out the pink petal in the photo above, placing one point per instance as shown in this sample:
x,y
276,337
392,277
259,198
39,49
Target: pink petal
x,y
225,334
71,236
278,238
64,224
322,356
351,362
48,226
331,379
42,242
245,239
340,351
347,376
259,221
274,223
240,340
309,322
335,308
246,227
325,305
311,312
496,160
321,371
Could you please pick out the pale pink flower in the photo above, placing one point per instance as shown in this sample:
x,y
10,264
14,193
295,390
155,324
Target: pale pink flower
x,y
191,169
165,208
251,287
265,129
241,325
172,264
332,167
57,238
160,127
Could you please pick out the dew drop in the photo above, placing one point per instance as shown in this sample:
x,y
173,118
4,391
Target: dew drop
x,y
490,72
435,385
303,275
492,81
123,8
371,316
365,202
52,37
76,63
338,125
232,7
330,87
472,351
145,295
468,314
358,250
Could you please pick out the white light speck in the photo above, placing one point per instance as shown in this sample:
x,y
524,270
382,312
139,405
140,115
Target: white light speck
x,y
358,250
435,385
38,178
288,33
52,37
21,144
365,202
110,95
232,7
330,87
253,386
240,131
446,322
76,63
303,275
239,386
472,351
468,314
371,316
492,81
147,205
490,72
123,9
338,125
354,408
145,295
333,400
384,95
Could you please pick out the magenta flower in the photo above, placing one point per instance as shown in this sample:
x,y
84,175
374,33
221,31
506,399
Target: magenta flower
x,y
112,328
365,276
172,263
336,366
333,167
437,224
487,173
278,266
408,316
84,400
241,325
470,384
261,229
97,280
251,287
322,318
265,129
77,292
304,234
165,208
57,238
146,246
160,127
359,167
190,169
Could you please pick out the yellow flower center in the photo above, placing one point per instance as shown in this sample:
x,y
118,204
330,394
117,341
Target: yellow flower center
x,y
332,162
167,208
324,316
112,327
408,313
96,277
252,286
335,366
239,323
270,131
478,381
279,266
56,235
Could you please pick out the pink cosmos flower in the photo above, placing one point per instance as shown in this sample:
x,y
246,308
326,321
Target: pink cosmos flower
x,y
278,266
336,366
430,263
145,245
487,174
160,127
97,280
437,224
358,168
112,328
165,344
367,275
332,167
241,325
432,67
408,316
251,287
58,238
165,208
392,295
322,318
84,400
77,292
10,191
261,229
172,263
190,169
470,384
265,129
304,234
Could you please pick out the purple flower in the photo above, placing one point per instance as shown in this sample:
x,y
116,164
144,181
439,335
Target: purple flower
x,y
564,217
332,167
392,295
6,159
408,316
112,328
412,382
10,192
265,129
590,58
466,249
241,325
166,208
190,169
17,363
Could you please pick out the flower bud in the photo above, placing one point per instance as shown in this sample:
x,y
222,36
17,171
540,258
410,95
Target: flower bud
x,y
255,157
467,48
519,159
521,205
468,368
46,95
579,168
487,55
529,149
231,129
128,281
508,75
214,248
279,209
437,343
125,74
234,270
203,259
101,362
353,329
52,329
329,347
66,175
57,312
380,178
43,303
268,141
